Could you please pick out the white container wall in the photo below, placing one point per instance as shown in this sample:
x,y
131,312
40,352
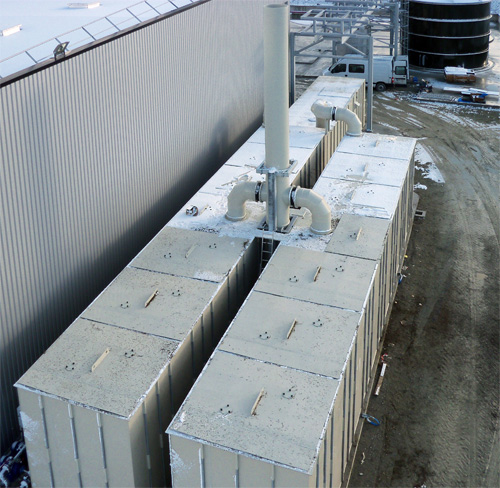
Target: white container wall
x,y
124,367
97,152
319,308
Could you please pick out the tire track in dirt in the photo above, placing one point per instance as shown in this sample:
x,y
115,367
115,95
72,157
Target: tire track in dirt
x,y
440,401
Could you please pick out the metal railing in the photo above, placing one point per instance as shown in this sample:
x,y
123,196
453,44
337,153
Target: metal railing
x,y
86,34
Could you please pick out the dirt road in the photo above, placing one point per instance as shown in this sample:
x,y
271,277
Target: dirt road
x,y
439,404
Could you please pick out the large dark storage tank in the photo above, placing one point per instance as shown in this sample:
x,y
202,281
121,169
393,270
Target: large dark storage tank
x,y
449,33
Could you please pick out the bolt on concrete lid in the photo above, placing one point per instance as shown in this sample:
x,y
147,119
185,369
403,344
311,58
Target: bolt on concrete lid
x,y
285,332
199,255
317,277
367,169
359,236
378,145
174,303
100,367
257,409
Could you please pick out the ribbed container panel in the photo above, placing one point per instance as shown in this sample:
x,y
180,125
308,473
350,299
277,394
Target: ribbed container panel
x,y
449,33
97,152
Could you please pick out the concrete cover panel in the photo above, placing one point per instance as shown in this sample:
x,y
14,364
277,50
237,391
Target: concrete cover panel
x,y
338,93
197,255
323,278
289,416
369,169
121,376
359,236
305,137
172,313
228,176
319,337
358,198
380,146
213,222
252,154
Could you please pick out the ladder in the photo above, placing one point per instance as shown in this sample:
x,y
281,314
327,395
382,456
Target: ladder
x,y
266,249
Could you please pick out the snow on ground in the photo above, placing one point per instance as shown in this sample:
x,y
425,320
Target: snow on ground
x,y
425,164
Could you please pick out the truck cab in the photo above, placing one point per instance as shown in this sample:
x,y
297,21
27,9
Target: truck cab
x,y
387,70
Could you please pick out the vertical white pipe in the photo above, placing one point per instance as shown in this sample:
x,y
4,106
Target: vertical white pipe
x,y
276,85
276,18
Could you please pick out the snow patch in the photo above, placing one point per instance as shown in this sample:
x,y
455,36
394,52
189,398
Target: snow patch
x,y
179,467
209,276
419,186
30,427
425,164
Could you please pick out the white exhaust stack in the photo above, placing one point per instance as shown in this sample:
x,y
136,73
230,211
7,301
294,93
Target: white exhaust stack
x,y
276,192
276,18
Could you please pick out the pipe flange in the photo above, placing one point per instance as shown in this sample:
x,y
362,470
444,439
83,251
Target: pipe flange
x,y
293,196
258,187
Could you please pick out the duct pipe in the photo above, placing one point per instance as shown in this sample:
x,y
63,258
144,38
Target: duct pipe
x,y
316,204
276,20
324,112
239,195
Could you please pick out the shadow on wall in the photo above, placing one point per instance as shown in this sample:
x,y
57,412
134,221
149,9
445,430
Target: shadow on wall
x,y
88,279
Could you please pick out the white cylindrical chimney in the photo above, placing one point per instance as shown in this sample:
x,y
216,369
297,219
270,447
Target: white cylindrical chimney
x,y
276,18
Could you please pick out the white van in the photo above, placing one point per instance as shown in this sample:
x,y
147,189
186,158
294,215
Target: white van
x,y
386,70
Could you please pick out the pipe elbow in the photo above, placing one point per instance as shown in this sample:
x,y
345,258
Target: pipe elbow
x,y
238,197
350,118
316,204
322,110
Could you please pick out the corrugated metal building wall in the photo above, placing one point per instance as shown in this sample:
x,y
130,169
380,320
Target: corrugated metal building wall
x,y
97,152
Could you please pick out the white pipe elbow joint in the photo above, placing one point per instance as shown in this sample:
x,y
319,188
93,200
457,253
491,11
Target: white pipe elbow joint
x,y
350,118
238,197
321,214
325,111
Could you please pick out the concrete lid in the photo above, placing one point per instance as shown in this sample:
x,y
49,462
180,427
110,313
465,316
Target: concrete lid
x,y
338,93
342,281
289,419
370,200
228,176
378,145
172,312
359,236
305,137
118,383
213,222
367,169
198,255
305,336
